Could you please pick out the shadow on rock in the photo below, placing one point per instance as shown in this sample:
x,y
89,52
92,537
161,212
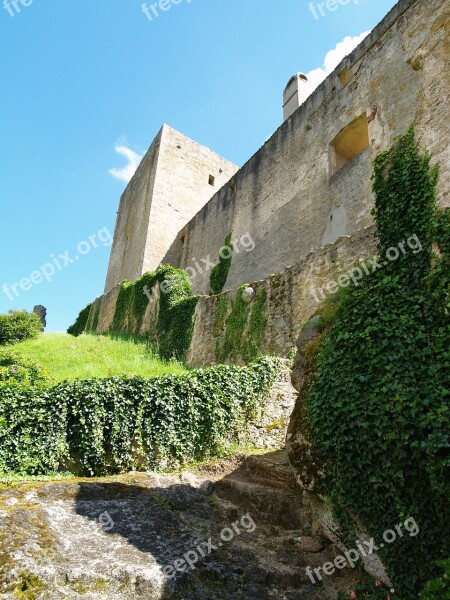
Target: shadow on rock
x,y
196,541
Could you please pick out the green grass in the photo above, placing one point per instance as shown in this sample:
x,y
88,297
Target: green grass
x,y
67,358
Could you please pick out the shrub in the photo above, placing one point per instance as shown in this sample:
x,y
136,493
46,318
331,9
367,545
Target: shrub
x,y
112,425
32,430
15,369
439,588
378,402
19,325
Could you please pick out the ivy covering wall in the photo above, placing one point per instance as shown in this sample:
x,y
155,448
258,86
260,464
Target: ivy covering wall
x,y
219,273
377,401
80,324
102,426
174,313
240,327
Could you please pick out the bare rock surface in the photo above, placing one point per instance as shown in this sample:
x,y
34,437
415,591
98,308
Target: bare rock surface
x,y
268,431
120,537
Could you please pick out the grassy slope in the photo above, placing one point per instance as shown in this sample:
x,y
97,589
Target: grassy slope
x,y
68,358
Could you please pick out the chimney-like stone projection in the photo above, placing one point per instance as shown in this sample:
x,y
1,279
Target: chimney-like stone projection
x,y
295,94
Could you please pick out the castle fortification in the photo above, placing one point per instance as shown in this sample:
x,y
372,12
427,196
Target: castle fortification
x,y
304,199
175,179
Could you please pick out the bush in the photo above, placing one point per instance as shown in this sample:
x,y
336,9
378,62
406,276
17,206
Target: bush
x,y
438,589
378,402
17,326
112,425
15,369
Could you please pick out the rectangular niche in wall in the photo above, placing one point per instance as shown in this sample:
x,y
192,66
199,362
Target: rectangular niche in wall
x,y
348,143
344,76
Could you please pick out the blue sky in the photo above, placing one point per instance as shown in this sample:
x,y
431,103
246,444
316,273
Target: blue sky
x,y
80,78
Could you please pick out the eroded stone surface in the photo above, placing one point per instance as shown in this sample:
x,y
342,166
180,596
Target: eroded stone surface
x,y
269,429
113,537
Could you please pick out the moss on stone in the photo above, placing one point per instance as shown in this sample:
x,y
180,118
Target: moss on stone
x,y
29,586
277,424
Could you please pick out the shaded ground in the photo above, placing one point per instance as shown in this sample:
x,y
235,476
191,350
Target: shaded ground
x,y
119,537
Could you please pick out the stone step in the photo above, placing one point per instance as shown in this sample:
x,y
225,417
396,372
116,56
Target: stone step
x,y
272,469
272,506
113,538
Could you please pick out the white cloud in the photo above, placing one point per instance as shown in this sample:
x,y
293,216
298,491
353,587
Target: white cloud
x,y
333,58
127,172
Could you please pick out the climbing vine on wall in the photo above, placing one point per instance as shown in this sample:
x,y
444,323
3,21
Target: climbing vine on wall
x,y
244,327
219,273
97,308
378,402
176,307
81,321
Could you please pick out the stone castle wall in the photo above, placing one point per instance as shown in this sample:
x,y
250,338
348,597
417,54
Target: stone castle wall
x,y
291,298
132,222
307,219
285,196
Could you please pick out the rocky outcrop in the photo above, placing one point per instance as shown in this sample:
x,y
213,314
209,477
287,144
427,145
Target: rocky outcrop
x,y
242,523
302,455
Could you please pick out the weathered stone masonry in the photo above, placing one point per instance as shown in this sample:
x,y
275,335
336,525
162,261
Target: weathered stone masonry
x,y
305,197
175,179
286,196
291,299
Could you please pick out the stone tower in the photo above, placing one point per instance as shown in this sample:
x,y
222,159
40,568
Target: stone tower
x,y
175,179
